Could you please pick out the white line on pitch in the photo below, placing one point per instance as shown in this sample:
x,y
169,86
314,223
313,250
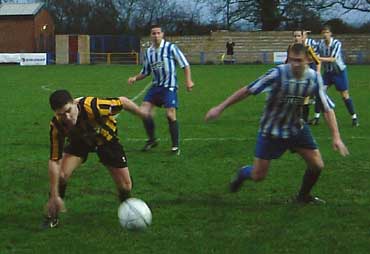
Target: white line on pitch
x,y
46,88
237,139
141,92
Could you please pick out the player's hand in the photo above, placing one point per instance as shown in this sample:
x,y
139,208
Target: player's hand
x,y
339,146
54,206
189,86
213,113
131,80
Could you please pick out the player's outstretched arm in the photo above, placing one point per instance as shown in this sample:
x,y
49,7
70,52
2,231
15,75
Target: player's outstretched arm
x,y
131,106
216,111
338,144
55,203
132,80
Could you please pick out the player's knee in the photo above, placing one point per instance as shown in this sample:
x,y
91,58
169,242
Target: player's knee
x,y
318,167
171,116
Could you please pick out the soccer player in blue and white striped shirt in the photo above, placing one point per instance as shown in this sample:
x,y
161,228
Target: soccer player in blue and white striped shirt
x,y
335,72
281,125
160,61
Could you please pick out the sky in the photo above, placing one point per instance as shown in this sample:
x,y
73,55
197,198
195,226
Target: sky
x,y
356,18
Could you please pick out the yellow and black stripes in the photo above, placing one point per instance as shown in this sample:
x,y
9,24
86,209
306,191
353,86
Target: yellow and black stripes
x,y
56,140
95,125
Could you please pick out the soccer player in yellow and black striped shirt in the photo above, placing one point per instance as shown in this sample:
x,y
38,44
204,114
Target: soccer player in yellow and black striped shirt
x,y
89,126
299,36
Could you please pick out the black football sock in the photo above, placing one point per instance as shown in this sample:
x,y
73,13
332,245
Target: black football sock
x,y
305,112
149,127
318,105
310,177
123,194
62,187
174,131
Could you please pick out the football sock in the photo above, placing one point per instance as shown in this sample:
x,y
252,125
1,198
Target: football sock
x,y
149,127
245,172
349,105
174,131
317,107
310,177
123,194
62,187
305,112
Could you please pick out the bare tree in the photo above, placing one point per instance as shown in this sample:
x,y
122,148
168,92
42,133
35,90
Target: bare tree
x,y
349,5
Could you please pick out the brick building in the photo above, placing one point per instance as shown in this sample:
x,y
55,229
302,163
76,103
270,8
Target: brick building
x,y
25,28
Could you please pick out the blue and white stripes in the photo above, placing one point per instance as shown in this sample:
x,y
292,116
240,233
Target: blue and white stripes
x,y
285,95
334,49
161,62
312,43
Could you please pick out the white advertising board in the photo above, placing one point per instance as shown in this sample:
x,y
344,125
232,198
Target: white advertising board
x,y
33,59
9,58
280,57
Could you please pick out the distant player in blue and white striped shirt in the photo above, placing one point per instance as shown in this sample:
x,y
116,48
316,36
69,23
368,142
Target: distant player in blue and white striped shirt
x,y
281,125
160,60
335,72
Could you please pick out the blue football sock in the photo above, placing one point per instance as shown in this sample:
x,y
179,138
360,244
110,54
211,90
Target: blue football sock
x,y
349,105
245,172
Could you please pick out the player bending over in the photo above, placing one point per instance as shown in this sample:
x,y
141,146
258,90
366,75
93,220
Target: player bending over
x,y
89,126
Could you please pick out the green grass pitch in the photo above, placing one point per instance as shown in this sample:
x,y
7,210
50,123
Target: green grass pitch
x,y
192,209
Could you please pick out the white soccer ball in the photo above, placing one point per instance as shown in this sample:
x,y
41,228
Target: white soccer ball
x,y
134,214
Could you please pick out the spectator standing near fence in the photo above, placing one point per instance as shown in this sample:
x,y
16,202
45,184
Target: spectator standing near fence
x,y
230,51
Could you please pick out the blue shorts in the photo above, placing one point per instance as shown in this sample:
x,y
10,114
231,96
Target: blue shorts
x,y
269,147
162,96
340,80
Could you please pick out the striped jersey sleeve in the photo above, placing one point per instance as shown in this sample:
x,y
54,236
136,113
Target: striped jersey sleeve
x,y
337,47
57,139
179,56
265,82
146,70
327,103
97,108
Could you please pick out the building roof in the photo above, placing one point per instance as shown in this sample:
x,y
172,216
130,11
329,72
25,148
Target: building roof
x,y
20,9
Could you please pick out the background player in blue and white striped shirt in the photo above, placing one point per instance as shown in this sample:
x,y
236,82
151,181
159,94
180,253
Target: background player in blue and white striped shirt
x,y
335,72
281,125
160,61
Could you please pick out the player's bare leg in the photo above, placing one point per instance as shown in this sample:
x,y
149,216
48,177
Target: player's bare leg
x,y
149,126
122,179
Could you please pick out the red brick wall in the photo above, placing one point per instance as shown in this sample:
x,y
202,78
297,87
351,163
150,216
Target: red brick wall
x,y
44,38
22,33
16,34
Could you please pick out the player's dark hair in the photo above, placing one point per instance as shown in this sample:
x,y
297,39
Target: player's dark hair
x,y
326,27
298,48
155,26
298,30
59,98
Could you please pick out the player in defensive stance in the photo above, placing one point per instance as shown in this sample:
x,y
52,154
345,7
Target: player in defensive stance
x,y
89,126
160,61
281,125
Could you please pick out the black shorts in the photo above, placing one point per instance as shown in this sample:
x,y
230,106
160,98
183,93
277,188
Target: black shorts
x,y
111,154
